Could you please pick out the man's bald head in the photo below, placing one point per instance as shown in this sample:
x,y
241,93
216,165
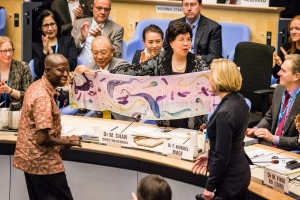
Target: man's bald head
x,y
56,69
102,51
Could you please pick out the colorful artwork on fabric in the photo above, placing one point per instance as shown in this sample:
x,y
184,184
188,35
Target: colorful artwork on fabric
x,y
152,97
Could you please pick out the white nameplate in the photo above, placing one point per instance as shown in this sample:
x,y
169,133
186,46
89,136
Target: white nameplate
x,y
169,9
255,3
276,181
179,150
116,139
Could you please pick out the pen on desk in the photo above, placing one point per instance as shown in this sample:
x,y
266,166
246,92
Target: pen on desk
x,y
186,141
126,127
114,128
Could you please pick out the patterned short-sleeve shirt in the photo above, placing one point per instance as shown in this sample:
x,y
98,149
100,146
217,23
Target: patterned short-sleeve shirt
x,y
39,111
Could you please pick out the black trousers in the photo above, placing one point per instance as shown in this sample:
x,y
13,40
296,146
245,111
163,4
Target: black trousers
x,y
48,187
234,187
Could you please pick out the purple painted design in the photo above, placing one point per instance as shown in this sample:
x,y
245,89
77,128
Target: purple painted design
x,y
159,98
102,79
183,94
172,95
164,80
204,91
79,97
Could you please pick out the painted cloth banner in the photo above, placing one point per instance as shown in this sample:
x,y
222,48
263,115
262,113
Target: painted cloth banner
x,y
152,97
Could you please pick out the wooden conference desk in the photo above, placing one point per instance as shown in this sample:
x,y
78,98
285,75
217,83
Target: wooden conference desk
x,y
132,159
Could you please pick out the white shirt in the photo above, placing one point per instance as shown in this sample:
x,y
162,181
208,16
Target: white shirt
x,y
72,5
86,52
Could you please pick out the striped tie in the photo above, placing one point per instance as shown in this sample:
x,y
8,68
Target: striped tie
x,y
193,39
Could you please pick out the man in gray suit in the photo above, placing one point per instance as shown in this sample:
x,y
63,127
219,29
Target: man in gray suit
x,y
278,127
86,29
71,10
102,51
207,37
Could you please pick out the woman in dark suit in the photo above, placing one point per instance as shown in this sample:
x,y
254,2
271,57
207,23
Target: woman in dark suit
x,y
227,164
51,42
153,40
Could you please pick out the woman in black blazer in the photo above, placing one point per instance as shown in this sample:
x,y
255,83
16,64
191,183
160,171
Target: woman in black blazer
x,y
153,38
48,25
227,163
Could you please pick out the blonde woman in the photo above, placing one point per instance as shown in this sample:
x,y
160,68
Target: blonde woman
x,y
228,167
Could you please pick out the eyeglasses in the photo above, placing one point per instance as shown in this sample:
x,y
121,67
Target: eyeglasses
x,y
188,40
102,53
4,51
46,26
99,8
189,5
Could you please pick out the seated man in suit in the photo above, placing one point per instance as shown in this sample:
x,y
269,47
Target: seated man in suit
x,y
71,10
85,30
278,127
207,37
103,51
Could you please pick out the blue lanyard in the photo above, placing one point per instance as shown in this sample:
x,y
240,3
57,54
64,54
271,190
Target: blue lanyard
x,y
282,112
56,46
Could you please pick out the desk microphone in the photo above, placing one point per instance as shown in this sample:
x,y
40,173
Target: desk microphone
x,y
199,197
65,103
272,161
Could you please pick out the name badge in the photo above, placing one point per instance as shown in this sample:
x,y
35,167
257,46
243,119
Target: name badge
x,y
276,181
116,139
177,150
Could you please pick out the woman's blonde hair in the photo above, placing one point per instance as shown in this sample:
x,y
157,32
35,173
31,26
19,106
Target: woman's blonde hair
x,y
5,39
225,75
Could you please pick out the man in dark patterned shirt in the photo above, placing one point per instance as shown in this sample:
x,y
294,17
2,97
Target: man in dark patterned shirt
x,y
39,141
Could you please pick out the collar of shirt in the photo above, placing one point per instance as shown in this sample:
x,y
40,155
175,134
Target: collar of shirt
x,y
69,1
105,68
195,22
94,23
292,92
50,89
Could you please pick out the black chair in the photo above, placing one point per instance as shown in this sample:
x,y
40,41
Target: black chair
x,y
255,62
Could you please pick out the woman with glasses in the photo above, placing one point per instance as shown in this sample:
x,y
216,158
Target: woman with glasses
x,y
291,47
178,60
48,24
153,40
15,76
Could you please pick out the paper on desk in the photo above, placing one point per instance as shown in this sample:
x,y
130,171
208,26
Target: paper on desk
x,y
67,129
258,153
147,131
180,133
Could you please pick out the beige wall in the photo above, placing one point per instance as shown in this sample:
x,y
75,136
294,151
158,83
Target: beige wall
x,y
128,12
14,33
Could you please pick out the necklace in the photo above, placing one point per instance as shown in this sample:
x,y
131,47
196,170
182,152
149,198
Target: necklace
x,y
179,70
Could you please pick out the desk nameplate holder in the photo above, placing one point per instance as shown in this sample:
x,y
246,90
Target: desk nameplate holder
x,y
276,181
178,150
115,139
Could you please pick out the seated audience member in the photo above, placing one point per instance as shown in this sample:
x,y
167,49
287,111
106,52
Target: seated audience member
x,y
153,39
15,76
102,50
177,60
297,122
153,187
71,10
278,127
52,42
207,34
292,47
85,30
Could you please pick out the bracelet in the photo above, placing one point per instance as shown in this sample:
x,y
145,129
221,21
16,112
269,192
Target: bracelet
x,y
11,90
